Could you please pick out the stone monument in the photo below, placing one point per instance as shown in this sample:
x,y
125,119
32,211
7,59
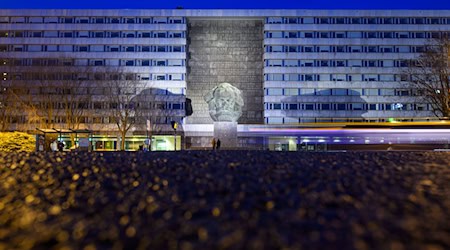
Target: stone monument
x,y
225,107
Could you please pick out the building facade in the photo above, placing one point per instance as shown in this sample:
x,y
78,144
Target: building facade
x,y
293,66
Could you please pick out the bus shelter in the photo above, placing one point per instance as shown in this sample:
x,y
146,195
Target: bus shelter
x,y
81,137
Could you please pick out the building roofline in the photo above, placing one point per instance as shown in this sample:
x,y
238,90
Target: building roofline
x,y
220,12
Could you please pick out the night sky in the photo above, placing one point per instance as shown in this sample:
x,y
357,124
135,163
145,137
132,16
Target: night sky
x,y
227,4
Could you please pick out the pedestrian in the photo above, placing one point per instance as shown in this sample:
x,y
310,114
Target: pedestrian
x,y
54,146
60,146
213,142
218,144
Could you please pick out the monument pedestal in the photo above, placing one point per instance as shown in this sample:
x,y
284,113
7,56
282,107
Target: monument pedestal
x,y
227,133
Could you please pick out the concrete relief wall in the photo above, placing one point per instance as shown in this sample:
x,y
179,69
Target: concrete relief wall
x,y
225,51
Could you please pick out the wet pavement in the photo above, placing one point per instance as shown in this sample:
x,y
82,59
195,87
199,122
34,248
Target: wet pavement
x,y
225,200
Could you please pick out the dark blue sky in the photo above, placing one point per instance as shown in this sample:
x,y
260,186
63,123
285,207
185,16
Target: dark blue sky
x,y
227,4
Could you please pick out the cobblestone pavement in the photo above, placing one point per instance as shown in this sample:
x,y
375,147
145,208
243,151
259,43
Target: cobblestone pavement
x,y
225,200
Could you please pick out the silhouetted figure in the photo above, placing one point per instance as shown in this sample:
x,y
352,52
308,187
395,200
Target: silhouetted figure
x,y
218,144
213,143
60,146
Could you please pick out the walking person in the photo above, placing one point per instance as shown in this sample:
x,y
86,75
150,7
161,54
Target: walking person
x,y
213,142
218,144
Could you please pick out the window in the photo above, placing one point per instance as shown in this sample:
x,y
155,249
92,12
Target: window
x,y
404,21
98,63
324,35
115,34
340,34
36,19
340,20
292,34
340,63
307,92
160,20
292,20
419,20
308,20
420,35
177,49
372,20
340,92
161,35
275,63
275,34
372,35
160,77
275,91
308,49
324,20
51,33
434,21
292,49
292,106
129,63
290,63
309,35
340,106
356,20
175,62
388,20
291,92
99,20
275,77
309,106
176,20
324,106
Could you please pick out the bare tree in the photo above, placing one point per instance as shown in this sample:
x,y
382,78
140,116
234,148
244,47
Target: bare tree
x,y
429,74
58,93
121,94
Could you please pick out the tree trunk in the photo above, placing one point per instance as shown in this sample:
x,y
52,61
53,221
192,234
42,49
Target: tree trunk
x,y
122,142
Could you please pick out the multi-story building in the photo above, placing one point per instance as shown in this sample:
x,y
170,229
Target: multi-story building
x,y
293,66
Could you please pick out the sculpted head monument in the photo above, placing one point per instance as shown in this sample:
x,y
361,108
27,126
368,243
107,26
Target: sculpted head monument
x,y
225,103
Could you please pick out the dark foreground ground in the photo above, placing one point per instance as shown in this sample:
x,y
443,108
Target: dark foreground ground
x,y
225,200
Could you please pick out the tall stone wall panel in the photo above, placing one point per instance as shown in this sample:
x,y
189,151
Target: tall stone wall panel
x,y
225,51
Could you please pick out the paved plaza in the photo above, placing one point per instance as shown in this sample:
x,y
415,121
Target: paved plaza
x,y
225,200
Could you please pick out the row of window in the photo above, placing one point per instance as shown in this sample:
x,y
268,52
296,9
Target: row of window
x,y
97,20
94,120
92,48
339,92
345,48
358,20
336,63
94,34
335,77
294,120
102,105
71,76
347,106
55,90
355,34
92,62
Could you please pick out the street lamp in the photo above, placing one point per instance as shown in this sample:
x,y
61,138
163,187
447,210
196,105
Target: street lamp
x,y
175,126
